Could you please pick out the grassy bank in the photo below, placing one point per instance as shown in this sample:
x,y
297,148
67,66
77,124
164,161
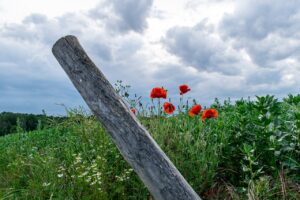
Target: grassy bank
x,y
251,151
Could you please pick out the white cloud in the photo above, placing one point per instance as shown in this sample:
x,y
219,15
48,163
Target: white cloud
x,y
14,11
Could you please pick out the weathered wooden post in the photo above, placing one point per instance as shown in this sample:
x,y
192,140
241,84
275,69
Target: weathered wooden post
x,y
138,148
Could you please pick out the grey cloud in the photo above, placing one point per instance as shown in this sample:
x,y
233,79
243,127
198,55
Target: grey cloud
x,y
32,80
101,50
132,13
129,47
172,75
199,47
28,90
264,76
35,19
37,28
257,19
125,15
21,99
268,30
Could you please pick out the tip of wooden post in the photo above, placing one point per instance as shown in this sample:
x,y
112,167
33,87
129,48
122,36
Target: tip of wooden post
x,y
63,40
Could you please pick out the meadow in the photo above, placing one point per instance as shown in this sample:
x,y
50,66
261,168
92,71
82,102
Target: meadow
x,y
251,150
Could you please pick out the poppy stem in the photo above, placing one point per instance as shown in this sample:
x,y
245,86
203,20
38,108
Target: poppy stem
x,y
180,103
152,108
158,107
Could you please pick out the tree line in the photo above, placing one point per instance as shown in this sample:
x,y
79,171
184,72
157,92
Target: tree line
x,y
20,122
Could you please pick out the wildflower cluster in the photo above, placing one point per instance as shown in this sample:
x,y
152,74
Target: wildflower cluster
x,y
169,108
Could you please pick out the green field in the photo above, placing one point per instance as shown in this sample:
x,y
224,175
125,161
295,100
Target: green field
x,y
251,151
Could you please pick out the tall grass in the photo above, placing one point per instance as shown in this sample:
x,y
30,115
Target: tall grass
x,y
251,151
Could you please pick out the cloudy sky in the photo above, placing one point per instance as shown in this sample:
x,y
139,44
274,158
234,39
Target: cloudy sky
x,y
221,48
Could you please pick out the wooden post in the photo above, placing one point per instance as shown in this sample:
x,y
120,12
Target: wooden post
x,y
138,148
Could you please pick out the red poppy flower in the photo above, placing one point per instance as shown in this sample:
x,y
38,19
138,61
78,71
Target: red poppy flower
x,y
184,89
169,108
195,110
158,93
133,110
209,113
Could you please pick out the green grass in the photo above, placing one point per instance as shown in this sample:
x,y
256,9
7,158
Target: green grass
x,y
251,151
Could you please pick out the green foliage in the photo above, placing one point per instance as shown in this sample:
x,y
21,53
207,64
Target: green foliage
x,y
251,151
75,159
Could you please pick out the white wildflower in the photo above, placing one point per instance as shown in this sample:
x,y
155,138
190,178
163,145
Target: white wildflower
x,y
60,175
45,184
